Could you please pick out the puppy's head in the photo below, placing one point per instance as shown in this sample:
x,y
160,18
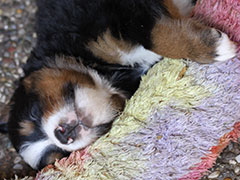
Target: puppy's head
x,y
68,104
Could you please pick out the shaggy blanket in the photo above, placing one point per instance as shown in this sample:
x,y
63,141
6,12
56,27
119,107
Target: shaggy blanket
x,y
174,127
177,123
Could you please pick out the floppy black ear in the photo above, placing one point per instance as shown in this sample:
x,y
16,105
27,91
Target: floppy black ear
x,y
4,115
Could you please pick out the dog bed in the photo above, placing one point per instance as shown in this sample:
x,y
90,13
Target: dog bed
x,y
178,122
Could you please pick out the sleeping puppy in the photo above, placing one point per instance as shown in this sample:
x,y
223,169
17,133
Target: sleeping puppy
x,y
89,59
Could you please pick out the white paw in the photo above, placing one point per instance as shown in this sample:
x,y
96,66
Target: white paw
x,y
226,49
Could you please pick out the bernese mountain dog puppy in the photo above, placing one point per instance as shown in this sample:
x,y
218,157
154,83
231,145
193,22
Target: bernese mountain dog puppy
x,y
89,58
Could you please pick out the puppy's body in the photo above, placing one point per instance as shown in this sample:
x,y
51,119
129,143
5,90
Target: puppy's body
x,y
88,60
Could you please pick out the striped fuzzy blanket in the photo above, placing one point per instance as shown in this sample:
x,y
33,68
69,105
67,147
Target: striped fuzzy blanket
x,y
174,127
177,123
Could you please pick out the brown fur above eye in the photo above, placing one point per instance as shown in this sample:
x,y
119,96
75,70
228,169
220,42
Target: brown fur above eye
x,y
26,128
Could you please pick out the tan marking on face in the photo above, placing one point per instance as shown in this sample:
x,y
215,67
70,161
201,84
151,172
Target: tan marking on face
x,y
172,9
53,157
26,128
109,48
183,39
118,102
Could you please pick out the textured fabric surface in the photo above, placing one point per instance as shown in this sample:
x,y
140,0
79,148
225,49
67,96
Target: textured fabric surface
x,y
172,123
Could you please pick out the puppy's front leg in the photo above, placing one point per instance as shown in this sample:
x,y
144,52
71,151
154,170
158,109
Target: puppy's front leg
x,y
189,39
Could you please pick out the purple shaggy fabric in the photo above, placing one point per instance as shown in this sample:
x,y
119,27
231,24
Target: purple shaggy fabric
x,y
187,135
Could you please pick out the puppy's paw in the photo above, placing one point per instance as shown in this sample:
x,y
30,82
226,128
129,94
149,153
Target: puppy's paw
x,y
225,48
213,46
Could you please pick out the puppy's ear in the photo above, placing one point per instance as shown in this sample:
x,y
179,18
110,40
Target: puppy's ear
x,y
4,115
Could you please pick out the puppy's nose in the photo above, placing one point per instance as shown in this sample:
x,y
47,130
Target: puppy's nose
x,y
67,133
